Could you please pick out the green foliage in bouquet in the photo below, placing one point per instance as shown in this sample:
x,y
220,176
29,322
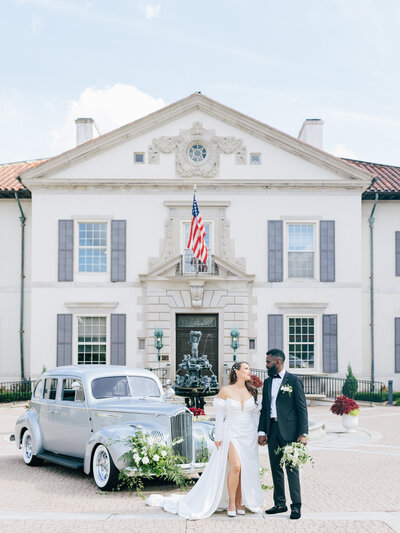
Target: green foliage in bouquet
x,y
150,457
350,386
264,486
294,455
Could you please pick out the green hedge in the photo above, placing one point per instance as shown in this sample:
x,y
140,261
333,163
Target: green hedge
x,y
375,397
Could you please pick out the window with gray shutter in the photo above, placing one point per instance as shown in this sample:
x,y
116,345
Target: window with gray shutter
x,y
65,250
118,250
397,345
275,250
118,339
327,250
329,343
275,332
64,339
397,244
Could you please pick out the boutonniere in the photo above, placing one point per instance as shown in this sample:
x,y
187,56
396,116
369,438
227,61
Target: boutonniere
x,y
287,388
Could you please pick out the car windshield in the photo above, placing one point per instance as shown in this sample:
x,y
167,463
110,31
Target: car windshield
x,y
124,386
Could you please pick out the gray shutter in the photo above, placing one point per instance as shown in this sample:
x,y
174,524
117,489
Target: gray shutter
x,y
329,343
397,345
397,253
327,250
118,339
118,250
65,250
275,332
64,340
275,250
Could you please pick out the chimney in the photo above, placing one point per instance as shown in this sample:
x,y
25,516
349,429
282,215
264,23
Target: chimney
x,y
84,130
311,132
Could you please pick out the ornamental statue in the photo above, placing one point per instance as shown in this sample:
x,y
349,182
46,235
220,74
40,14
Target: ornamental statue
x,y
194,378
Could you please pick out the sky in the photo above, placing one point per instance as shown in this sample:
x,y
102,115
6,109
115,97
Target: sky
x,y
277,61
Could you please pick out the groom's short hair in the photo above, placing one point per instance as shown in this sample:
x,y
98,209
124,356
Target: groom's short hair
x,y
276,354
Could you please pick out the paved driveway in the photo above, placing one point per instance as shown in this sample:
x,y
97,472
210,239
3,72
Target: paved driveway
x,y
354,486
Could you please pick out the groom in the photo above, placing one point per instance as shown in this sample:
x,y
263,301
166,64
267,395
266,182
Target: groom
x,y
283,420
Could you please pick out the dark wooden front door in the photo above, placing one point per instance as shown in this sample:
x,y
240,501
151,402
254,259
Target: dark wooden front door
x,y
208,325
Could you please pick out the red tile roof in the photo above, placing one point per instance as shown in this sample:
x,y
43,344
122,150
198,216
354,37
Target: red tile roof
x,y
10,171
386,177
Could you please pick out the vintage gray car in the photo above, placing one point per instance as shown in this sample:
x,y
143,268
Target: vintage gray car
x,y
79,416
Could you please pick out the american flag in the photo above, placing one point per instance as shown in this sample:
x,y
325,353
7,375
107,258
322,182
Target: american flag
x,y
197,234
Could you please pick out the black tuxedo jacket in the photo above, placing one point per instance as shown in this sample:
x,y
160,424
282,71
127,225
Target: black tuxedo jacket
x,y
291,408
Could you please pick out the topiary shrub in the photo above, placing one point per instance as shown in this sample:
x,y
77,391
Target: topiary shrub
x,y
350,385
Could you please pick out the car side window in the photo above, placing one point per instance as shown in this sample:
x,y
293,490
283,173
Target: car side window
x,y
50,389
38,390
72,390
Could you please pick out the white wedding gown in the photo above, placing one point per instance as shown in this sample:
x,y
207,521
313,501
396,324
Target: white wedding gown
x,y
238,425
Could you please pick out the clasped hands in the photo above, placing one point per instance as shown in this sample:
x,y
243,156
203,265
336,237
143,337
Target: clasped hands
x,y
263,440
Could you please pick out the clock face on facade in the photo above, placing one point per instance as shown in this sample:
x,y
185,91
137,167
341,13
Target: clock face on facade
x,y
197,153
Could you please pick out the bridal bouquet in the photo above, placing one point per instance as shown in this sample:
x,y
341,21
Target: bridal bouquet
x,y
294,455
150,457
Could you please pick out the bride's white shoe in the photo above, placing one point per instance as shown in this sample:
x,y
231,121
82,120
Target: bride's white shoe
x,y
240,511
231,513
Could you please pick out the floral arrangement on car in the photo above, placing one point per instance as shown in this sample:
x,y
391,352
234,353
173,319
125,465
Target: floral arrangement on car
x,y
198,414
256,381
345,406
150,457
294,455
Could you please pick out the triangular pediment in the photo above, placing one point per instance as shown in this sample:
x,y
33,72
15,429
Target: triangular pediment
x,y
219,269
231,136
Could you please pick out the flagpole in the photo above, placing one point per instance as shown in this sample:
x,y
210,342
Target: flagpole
x,y
194,189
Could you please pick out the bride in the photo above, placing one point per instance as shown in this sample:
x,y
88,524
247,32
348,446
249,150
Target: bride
x,y
231,478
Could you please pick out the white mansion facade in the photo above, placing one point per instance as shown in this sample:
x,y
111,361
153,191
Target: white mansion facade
x,y
105,258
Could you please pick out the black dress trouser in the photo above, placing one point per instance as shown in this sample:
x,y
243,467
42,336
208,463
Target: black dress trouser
x,y
275,440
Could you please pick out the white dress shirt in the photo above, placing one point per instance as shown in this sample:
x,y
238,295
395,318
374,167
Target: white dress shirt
x,y
276,383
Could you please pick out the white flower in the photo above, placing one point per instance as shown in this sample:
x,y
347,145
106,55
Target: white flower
x,y
136,458
145,460
156,457
163,453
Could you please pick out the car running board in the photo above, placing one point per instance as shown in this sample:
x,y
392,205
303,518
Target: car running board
x,y
63,460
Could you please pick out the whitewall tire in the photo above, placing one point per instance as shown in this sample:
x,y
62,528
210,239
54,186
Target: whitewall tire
x,y
105,473
27,445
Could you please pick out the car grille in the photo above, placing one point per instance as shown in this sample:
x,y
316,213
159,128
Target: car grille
x,y
181,427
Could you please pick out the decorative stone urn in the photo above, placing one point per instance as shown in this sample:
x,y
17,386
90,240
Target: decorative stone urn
x,y
350,423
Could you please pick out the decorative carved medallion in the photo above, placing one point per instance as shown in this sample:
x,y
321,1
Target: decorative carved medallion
x,y
197,151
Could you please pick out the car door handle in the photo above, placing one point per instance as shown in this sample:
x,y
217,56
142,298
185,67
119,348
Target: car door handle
x,y
54,411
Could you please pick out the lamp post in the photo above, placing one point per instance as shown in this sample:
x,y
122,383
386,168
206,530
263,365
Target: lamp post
x,y
234,341
158,335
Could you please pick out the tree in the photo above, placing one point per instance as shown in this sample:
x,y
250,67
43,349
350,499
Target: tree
x,y
350,385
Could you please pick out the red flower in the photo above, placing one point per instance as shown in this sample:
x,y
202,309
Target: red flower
x,y
256,381
343,406
196,411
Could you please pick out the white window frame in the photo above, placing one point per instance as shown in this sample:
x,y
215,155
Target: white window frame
x,y
75,335
317,343
98,276
288,223
138,162
259,158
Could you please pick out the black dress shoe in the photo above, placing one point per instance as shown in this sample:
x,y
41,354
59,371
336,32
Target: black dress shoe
x,y
295,514
275,510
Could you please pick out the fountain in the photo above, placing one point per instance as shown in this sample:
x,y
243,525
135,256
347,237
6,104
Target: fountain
x,y
194,378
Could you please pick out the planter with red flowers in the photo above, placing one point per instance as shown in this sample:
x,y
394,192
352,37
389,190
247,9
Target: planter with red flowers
x,y
198,414
349,410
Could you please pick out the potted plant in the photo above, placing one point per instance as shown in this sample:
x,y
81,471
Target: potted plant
x,y
349,409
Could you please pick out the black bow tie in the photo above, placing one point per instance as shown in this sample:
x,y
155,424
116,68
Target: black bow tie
x,y
277,376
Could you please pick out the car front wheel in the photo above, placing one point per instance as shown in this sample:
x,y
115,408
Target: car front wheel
x,y
105,473
29,458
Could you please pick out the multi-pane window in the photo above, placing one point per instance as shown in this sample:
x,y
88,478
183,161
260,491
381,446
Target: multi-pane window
x,y
189,264
92,247
301,250
92,340
301,342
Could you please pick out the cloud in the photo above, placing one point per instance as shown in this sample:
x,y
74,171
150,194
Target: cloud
x,y
342,151
36,25
151,11
110,108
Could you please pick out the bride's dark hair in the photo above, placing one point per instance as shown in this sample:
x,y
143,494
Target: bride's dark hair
x,y
248,383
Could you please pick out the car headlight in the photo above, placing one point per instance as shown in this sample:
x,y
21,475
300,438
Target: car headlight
x,y
212,433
